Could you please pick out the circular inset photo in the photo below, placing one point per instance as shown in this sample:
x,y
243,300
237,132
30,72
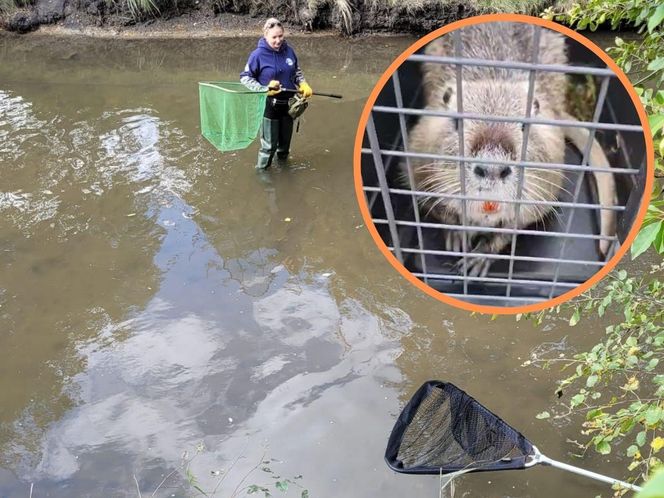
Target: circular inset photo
x,y
503,164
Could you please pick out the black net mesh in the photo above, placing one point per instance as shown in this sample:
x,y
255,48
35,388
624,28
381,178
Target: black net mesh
x,y
443,430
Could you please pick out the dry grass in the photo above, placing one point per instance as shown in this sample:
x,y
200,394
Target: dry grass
x,y
482,6
345,11
8,6
138,9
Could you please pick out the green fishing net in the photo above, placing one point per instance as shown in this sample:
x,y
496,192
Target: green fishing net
x,y
231,114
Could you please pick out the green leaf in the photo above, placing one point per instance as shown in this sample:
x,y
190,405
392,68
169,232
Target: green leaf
x,y
656,65
543,415
653,415
627,425
594,413
659,240
627,66
577,400
200,490
654,488
656,18
641,438
281,486
656,122
603,448
622,275
592,380
632,450
575,318
305,494
645,238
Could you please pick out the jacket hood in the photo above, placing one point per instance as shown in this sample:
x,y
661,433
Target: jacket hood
x,y
262,44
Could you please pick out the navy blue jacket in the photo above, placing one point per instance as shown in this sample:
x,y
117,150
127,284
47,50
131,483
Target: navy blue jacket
x,y
266,64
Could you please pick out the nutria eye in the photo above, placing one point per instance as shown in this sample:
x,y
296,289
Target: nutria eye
x,y
505,172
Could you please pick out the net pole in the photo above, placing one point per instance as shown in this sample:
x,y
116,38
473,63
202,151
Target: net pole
x,y
543,460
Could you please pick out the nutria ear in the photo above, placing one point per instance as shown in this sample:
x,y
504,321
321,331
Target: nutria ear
x,y
436,47
536,108
448,95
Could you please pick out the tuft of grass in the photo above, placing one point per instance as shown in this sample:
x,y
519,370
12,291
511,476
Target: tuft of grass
x,y
346,13
512,6
343,8
8,6
532,7
138,9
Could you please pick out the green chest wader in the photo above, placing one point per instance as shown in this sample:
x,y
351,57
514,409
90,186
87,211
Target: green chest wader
x,y
276,132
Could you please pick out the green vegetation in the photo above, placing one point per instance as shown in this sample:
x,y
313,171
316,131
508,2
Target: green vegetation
x,y
242,487
616,385
654,488
642,59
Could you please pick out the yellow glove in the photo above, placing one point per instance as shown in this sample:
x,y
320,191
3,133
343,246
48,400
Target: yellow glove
x,y
305,90
274,87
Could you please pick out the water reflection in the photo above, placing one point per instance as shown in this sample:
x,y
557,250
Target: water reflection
x,y
157,294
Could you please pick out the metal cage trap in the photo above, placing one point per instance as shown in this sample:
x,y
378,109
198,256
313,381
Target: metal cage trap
x,y
541,261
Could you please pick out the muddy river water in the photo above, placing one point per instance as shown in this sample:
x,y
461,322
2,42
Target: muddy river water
x,y
159,300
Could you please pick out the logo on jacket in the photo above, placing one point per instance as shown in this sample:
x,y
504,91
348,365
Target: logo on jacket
x,y
289,61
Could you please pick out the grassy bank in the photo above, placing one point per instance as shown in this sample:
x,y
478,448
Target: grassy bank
x,y
345,16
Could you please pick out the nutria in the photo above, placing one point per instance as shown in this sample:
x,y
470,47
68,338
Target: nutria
x,y
498,92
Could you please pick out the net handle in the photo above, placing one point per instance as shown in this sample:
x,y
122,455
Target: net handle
x,y
319,94
212,85
546,461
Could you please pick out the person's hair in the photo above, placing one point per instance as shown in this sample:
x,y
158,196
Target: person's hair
x,y
271,23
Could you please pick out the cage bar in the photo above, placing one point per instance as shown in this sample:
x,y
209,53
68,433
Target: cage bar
x,y
404,140
518,275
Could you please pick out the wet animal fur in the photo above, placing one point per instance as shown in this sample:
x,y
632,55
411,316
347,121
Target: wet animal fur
x,y
499,92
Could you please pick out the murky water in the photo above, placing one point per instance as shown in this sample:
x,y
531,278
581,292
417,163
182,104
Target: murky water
x,y
157,296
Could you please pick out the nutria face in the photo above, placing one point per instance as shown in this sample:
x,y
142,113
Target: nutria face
x,y
490,141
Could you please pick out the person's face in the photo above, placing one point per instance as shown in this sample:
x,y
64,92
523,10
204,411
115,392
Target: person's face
x,y
275,37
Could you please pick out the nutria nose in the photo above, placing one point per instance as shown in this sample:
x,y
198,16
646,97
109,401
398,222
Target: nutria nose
x,y
480,171
483,171
505,172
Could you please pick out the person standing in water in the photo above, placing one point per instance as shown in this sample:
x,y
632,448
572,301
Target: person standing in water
x,y
273,68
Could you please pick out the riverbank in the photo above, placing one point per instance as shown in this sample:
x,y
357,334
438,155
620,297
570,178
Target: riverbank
x,y
183,27
210,18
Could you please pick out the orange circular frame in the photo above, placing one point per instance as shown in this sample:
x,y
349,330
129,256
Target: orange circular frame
x,y
498,309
